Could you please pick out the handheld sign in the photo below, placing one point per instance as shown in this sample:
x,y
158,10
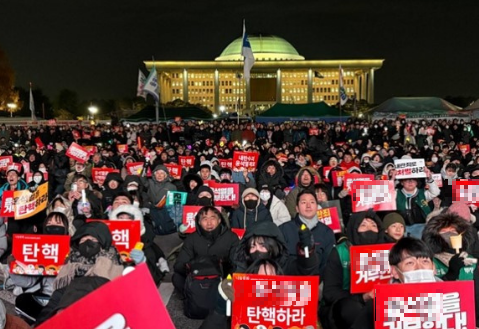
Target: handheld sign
x,y
330,218
29,203
409,168
466,190
247,160
225,194
78,153
380,195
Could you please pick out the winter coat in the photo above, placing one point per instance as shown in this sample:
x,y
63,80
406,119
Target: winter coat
x,y
323,236
157,190
276,181
290,200
108,193
278,210
243,217
68,211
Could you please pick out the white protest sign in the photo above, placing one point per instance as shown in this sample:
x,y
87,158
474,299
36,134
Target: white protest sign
x,y
410,168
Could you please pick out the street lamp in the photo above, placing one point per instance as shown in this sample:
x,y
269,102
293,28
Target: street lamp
x,y
12,107
93,110
222,109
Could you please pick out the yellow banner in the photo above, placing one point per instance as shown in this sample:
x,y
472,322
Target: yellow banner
x,y
29,203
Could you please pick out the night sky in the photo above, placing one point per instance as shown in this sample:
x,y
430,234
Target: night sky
x,y
96,47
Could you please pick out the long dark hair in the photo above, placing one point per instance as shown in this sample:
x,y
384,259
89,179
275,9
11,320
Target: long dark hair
x,y
274,248
257,264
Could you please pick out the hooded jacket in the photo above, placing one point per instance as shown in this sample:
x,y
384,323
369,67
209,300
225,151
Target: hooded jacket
x,y
192,193
68,211
243,217
157,190
108,193
290,200
277,180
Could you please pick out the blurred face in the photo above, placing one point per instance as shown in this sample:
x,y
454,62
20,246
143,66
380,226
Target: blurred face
x,y
120,200
368,225
257,245
409,185
307,206
347,158
88,237
55,221
193,184
410,263
12,178
79,167
205,173
306,178
160,175
113,184
271,170
333,162
321,196
209,221
81,184
395,231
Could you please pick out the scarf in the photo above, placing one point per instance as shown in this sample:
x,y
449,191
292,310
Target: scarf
x,y
105,264
310,223
445,258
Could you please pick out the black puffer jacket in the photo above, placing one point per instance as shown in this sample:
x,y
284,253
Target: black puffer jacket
x,y
108,193
276,181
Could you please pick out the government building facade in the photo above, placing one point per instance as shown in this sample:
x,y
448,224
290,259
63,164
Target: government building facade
x,y
279,75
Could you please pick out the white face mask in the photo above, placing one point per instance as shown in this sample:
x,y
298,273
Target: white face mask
x,y
37,179
434,160
131,188
265,195
418,276
42,169
136,203
60,209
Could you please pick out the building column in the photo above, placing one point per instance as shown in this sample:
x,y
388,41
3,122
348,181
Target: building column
x,y
310,86
161,83
356,87
371,86
185,85
217,92
363,86
279,95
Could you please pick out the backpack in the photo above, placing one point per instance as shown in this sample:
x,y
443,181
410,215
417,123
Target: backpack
x,y
162,222
201,289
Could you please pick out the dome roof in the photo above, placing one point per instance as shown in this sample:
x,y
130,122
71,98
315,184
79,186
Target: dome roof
x,y
265,48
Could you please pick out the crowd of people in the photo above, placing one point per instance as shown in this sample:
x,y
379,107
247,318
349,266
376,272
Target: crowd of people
x,y
277,208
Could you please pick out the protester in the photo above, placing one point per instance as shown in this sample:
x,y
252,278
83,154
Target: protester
x,y
250,210
305,180
276,207
394,226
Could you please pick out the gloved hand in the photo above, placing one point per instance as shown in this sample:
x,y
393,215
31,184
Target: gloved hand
x,y
305,239
455,265
138,256
226,290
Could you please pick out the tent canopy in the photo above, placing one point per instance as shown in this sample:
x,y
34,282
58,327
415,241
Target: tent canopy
x,y
148,114
417,107
300,112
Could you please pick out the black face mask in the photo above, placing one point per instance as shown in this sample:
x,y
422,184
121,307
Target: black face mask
x,y
291,160
204,201
55,230
89,248
259,255
251,204
368,237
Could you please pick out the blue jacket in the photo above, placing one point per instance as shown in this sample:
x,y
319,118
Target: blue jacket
x,y
21,185
323,239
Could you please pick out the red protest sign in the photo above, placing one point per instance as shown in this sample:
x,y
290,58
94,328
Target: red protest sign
x,y
134,168
380,195
99,310
313,131
330,217
338,177
122,148
239,232
125,234
86,135
226,163
225,194
189,215
29,176
350,178
39,143
275,301
77,152
91,149
326,171
99,174
174,170
76,134
186,161
26,166
425,305
8,204
465,148
466,190
247,160
369,266
5,161
39,254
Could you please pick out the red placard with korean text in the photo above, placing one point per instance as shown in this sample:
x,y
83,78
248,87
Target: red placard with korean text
x,y
77,152
39,143
174,170
99,174
186,161
8,204
239,232
76,134
26,166
338,177
465,148
380,195
275,301
189,215
39,254
330,218
350,178
326,171
135,168
225,194
466,190
5,161
136,299
125,234
122,148
226,163
425,305
245,160
369,266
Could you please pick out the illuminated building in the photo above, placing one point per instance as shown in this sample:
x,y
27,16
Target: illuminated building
x,y
280,74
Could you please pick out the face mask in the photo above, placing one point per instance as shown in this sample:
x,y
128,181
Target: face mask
x,y
447,237
204,201
259,255
368,237
251,204
265,195
55,230
291,160
42,170
60,209
210,151
136,204
227,151
37,179
366,160
417,276
132,188
89,248
434,160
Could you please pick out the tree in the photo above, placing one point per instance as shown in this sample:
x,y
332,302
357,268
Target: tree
x,y
7,81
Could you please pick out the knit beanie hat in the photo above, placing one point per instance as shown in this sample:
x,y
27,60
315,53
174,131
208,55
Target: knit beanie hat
x,y
461,209
393,218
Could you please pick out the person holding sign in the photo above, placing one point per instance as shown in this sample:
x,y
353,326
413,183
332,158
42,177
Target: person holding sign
x,y
305,180
340,307
412,202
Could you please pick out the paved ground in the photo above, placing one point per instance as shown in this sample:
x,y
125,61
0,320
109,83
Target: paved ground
x,y
170,298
